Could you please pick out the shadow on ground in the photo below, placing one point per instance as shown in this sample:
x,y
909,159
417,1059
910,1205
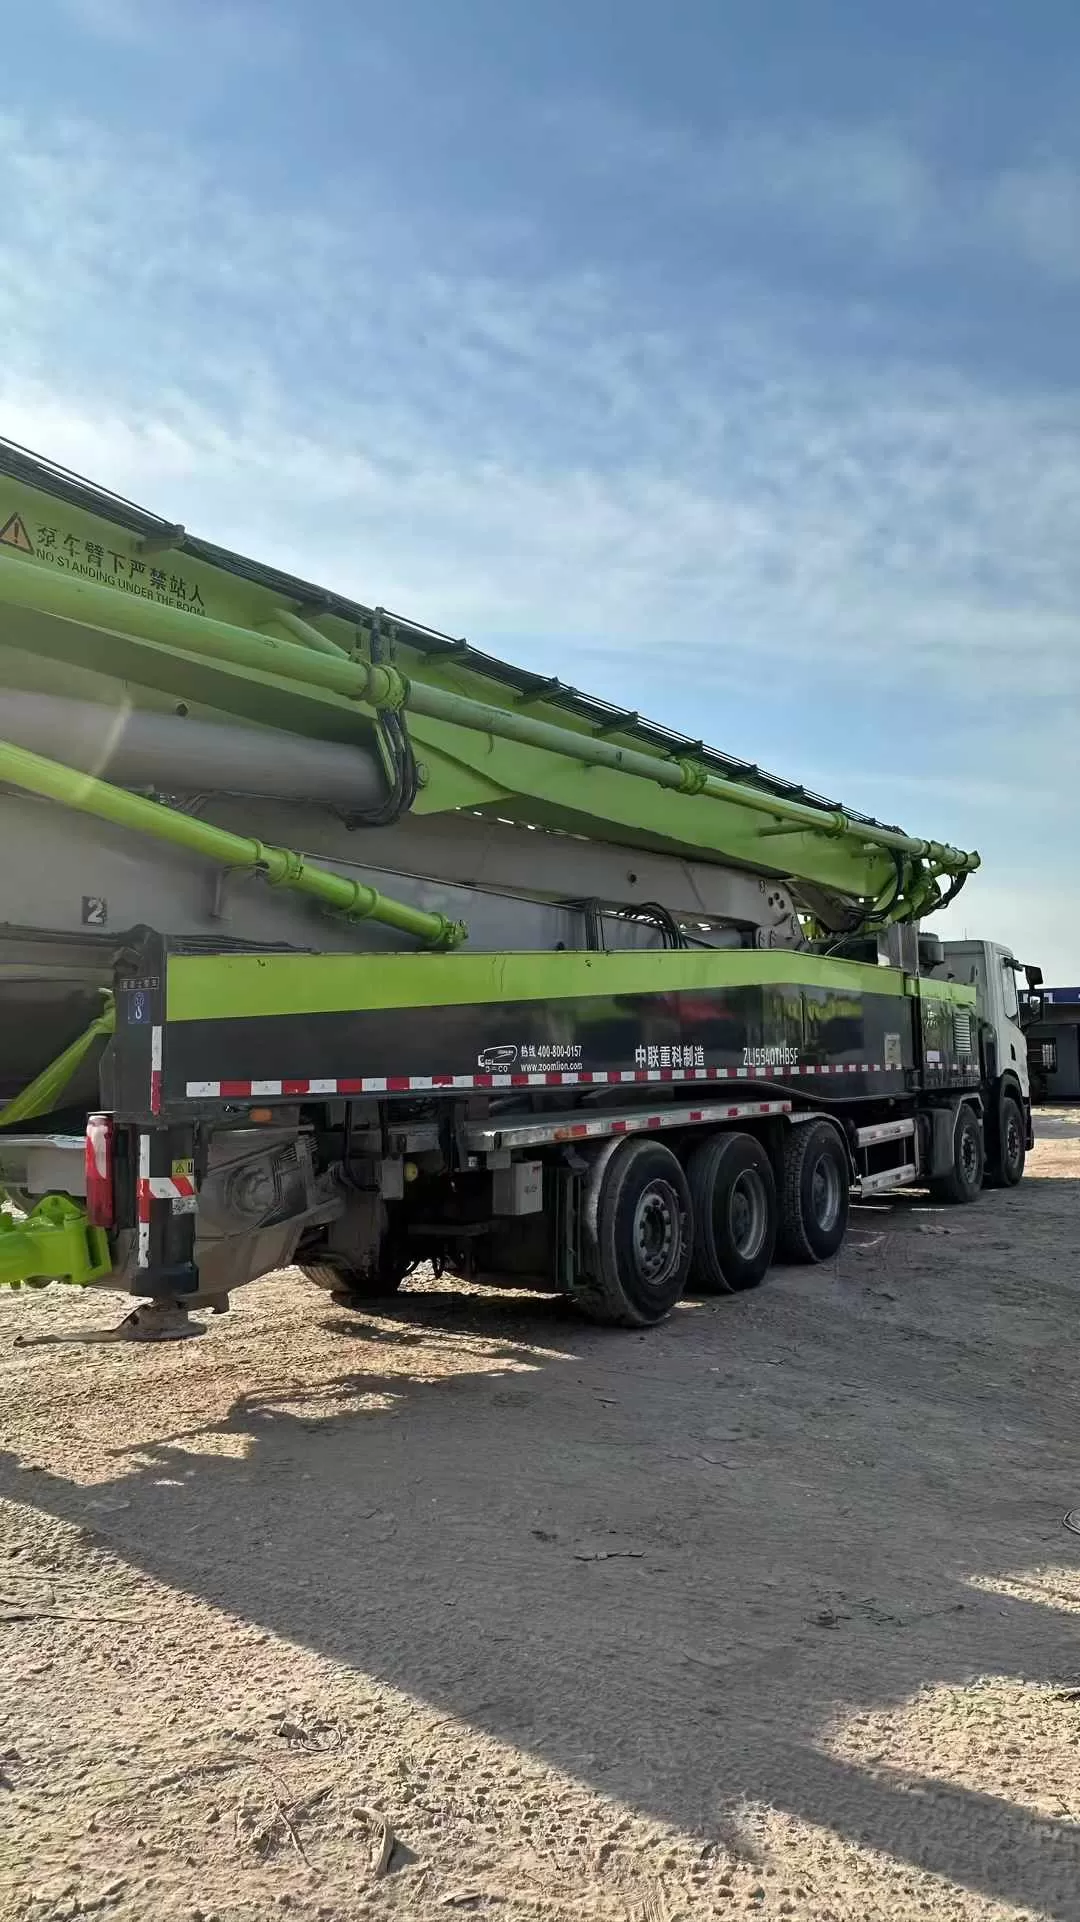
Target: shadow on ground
x,y
669,1564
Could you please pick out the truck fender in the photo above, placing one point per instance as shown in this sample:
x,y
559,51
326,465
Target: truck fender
x,y
772,1136
942,1132
1009,1088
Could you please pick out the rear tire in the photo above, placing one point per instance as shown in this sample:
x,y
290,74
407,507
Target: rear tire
x,y
637,1235
964,1181
815,1193
733,1192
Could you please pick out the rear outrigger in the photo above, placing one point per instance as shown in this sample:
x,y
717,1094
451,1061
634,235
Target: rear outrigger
x,y
659,1018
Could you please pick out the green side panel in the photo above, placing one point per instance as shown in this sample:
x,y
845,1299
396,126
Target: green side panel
x,y
224,987
959,993
556,793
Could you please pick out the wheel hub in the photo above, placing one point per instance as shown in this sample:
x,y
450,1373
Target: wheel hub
x,y
748,1214
825,1193
655,1233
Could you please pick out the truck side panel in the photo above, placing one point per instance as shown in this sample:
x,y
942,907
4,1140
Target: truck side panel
x,y
271,1027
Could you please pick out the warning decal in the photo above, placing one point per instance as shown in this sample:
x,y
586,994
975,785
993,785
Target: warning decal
x,y
126,568
14,534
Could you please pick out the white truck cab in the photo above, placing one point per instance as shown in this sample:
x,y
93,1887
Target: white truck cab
x,y
993,970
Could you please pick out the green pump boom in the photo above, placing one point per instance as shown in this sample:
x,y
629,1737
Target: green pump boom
x,y
145,615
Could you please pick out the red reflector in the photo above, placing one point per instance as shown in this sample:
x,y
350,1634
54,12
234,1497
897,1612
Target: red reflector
x,y
100,1206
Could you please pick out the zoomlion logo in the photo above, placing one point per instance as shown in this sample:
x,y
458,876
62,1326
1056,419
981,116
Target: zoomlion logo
x,y
498,1059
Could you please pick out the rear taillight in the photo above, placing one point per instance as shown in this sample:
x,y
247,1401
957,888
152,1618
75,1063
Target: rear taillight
x,y
100,1206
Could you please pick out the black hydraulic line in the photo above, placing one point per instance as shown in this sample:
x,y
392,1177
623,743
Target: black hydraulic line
x,y
654,914
394,733
662,918
950,893
874,922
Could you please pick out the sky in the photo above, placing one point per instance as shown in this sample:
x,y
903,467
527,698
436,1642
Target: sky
x,y
721,358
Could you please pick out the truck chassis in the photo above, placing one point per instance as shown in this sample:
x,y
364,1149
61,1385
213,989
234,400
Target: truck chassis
x,y
617,1127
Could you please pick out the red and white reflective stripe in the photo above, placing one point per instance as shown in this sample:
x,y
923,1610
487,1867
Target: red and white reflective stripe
x,y
155,1070
150,1188
856,1067
171,1187
142,1202
670,1117
551,1078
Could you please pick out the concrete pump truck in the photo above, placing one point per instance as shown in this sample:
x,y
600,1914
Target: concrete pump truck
x,y
328,940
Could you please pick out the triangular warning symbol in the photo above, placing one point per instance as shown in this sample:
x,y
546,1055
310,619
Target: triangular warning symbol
x,y
14,534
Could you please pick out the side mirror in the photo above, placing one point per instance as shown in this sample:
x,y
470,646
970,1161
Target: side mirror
x,y
1033,977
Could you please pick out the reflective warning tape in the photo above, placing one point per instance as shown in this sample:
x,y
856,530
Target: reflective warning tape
x,y
549,1078
603,1125
150,1188
142,1202
155,1070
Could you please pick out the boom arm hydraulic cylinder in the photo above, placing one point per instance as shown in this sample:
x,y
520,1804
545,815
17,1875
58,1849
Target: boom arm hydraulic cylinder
x,y
282,868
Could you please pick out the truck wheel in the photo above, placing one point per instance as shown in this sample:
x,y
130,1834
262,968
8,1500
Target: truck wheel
x,y
347,1287
637,1235
733,1194
350,1287
965,1178
815,1193
1012,1144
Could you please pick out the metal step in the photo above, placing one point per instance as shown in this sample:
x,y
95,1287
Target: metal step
x,y
904,1177
884,1131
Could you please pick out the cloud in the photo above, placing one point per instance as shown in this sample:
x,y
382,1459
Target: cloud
x,y
1036,211
1023,910
519,455
223,30
861,182
126,23
872,188
652,500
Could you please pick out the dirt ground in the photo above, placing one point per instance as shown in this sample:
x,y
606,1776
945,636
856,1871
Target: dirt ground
x,y
469,1608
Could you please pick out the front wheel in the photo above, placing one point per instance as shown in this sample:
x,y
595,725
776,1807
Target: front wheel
x,y
638,1235
1012,1144
964,1180
815,1193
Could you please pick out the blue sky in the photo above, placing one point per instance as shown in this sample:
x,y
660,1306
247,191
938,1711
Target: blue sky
x,y
719,357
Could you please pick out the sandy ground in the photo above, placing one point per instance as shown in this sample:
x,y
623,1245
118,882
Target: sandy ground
x,y
472,1609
